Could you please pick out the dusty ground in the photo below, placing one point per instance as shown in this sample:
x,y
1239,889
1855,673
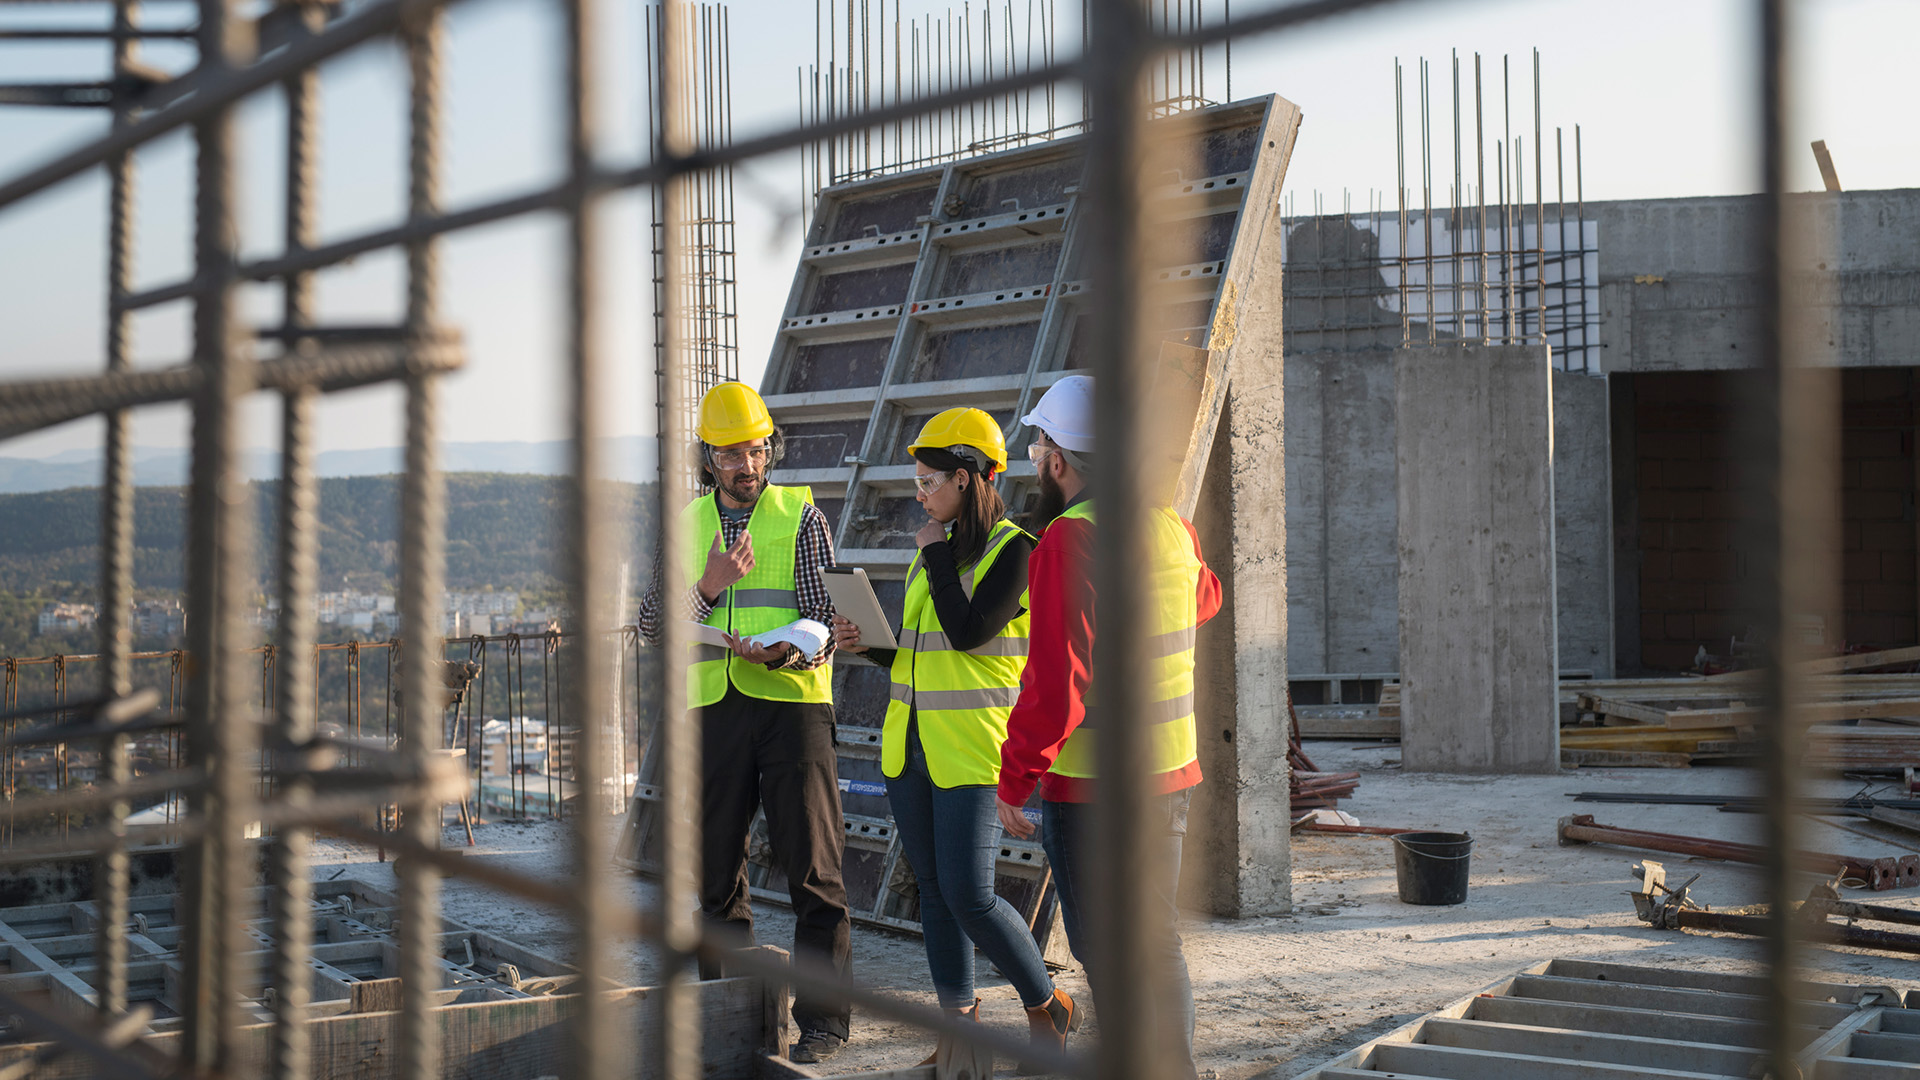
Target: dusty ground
x,y
1279,995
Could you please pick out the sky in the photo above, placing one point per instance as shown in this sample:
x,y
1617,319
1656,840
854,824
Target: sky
x,y
1663,91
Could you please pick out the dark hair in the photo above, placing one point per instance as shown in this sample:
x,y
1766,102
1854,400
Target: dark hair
x,y
981,507
778,443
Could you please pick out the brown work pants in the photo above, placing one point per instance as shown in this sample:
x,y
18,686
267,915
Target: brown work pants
x,y
780,755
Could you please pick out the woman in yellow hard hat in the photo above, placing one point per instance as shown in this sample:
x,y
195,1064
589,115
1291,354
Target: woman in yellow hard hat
x,y
956,675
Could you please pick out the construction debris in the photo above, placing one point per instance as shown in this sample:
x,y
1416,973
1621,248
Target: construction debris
x,y
1877,874
1576,1018
1661,905
1313,789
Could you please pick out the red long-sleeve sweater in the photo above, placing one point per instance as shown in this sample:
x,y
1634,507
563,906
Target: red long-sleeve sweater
x,y
1060,665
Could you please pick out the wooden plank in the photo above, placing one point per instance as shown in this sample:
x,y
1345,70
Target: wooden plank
x,y
1625,710
779,1068
373,995
1593,1046
1745,715
1623,759
1347,727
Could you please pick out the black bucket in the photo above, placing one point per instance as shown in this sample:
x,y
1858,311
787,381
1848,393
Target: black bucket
x,y
1432,866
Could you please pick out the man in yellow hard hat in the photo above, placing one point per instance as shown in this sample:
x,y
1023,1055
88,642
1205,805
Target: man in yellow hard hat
x,y
753,559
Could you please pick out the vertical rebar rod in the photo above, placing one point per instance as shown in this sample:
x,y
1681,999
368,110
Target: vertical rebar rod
x,y
678,739
1426,195
1539,208
1791,555
116,541
596,1055
295,715
1507,197
1480,197
1580,223
220,731
1400,156
422,558
1453,220
1564,306
1133,989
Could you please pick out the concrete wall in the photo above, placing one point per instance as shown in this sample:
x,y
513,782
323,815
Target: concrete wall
x,y
1342,600
1677,292
1477,626
1343,597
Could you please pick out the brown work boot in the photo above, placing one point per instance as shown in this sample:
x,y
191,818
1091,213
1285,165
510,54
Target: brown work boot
x,y
1048,1025
972,1014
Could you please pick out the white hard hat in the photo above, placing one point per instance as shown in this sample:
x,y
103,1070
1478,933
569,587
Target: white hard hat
x,y
1065,413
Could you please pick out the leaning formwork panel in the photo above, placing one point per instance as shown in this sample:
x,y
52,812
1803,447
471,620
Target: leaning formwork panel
x,y
963,284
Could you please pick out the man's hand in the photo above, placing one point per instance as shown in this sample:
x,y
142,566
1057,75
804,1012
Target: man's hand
x,y
756,654
1013,820
846,636
931,533
725,566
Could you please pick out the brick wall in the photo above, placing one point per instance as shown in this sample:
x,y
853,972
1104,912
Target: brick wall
x,y
1692,570
1877,499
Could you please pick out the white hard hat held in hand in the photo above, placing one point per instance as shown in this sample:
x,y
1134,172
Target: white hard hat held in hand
x,y
1065,413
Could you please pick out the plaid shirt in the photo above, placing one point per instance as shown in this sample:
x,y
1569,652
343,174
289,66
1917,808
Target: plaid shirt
x,y
813,549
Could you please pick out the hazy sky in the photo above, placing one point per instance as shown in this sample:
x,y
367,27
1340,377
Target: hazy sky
x,y
1661,88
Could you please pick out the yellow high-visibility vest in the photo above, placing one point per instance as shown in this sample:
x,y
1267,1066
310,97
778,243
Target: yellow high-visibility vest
x,y
961,699
764,600
1171,609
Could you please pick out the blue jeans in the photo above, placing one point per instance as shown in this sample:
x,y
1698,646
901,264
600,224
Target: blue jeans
x,y
951,837
1066,831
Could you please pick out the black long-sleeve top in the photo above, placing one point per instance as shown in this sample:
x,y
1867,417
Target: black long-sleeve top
x,y
970,622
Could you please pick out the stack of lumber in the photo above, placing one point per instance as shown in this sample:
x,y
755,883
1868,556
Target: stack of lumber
x,y
1859,722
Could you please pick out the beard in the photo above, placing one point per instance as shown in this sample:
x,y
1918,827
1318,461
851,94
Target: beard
x,y
743,487
1052,502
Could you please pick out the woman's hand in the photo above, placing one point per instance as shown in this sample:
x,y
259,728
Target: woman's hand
x,y
846,636
1013,820
931,533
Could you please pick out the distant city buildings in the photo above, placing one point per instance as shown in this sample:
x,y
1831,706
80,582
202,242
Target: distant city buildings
x,y
60,618
159,618
149,618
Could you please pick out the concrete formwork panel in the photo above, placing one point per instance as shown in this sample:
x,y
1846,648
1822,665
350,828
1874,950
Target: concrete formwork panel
x,y
963,285
1478,651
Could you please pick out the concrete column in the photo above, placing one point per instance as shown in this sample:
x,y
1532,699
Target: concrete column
x,y
1237,861
1583,522
1478,637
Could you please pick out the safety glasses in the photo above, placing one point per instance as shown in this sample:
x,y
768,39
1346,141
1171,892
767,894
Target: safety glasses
x,y
738,459
931,482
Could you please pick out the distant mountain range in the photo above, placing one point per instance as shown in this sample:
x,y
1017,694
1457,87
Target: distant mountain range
x,y
630,459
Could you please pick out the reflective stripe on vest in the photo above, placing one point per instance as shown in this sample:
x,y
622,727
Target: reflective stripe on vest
x,y
960,700
1171,613
763,600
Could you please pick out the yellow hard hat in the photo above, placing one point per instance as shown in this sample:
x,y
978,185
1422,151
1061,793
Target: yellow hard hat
x,y
732,413
964,427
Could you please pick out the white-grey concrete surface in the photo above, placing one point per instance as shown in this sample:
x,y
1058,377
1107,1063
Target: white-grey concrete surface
x,y
1239,863
1343,605
1477,634
1678,293
1583,523
1343,594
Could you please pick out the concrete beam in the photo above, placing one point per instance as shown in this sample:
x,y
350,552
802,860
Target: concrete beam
x,y
1478,640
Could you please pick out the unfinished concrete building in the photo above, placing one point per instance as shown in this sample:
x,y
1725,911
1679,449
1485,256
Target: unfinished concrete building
x,y
1648,571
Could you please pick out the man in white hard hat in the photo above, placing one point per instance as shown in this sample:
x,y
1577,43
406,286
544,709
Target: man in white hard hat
x,y
1050,735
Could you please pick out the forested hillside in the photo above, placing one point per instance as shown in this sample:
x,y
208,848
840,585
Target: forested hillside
x,y
503,530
